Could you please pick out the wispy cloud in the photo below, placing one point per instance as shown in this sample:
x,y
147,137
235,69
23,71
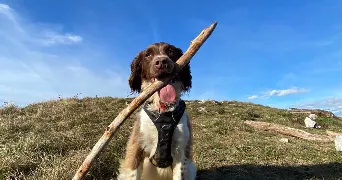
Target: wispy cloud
x,y
281,92
154,27
284,92
67,38
38,34
5,9
253,97
36,65
333,104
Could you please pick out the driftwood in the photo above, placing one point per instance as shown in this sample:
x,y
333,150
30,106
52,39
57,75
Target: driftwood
x,y
139,100
289,131
331,133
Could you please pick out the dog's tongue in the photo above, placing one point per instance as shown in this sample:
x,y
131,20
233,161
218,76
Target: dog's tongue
x,y
167,94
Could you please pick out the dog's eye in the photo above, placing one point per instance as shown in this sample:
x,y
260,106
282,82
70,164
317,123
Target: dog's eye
x,y
171,52
147,54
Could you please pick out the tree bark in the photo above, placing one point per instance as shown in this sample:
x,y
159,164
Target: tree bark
x,y
289,131
195,45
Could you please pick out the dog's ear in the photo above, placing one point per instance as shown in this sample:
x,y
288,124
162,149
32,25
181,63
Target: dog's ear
x,y
185,73
135,77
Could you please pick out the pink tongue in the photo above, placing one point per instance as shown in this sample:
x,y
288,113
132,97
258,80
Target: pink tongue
x,y
167,94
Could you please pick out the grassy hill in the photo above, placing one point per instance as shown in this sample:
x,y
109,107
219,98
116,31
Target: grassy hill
x,y
49,140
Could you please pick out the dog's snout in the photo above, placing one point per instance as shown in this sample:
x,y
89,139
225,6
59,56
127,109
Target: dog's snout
x,y
161,63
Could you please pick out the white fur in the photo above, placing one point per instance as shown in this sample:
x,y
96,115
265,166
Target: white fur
x,y
130,175
161,56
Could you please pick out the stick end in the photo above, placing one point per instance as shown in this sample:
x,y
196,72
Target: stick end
x,y
213,25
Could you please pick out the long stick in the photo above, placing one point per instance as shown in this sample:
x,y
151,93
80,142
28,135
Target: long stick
x,y
289,131
331,133
139,100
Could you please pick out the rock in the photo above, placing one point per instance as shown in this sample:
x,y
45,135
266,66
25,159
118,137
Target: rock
x,y
215,102
202,101
309,123
338,143
202,109
285,140
313,116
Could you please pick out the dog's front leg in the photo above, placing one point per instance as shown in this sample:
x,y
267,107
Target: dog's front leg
x,y
131,167
183,166
178,170
184,170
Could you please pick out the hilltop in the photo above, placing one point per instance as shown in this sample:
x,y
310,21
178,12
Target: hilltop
x,y
49,140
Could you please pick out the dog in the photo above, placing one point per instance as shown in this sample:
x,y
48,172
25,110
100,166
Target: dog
x,y
160,144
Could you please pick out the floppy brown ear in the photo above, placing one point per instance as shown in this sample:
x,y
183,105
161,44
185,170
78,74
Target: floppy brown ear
x,y
135,77
185,73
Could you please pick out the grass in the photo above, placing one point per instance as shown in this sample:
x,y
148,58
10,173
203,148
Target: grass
x,y
49,140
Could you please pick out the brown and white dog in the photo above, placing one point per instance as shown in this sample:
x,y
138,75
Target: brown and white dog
x,y
140,162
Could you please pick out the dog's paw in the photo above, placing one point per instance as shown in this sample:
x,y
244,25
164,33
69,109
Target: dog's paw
x,y
128,175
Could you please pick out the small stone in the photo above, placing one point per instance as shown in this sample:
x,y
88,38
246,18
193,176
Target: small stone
x,y
313,116
202,109
215,102
285,140
338,143
202,101
309,123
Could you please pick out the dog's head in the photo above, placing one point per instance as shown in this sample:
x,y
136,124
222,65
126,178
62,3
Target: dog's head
x,y
155,62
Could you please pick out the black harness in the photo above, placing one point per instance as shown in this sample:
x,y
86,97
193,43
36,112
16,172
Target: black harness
x,y
165,123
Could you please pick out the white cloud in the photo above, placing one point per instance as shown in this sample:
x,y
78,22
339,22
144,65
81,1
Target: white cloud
x,y
36,65
67,38
4,8
35,34
281,92
253,97
284,92
333,104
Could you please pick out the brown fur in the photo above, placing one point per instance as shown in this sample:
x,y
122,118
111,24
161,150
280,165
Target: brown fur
x,y
188,150
134,153
141,66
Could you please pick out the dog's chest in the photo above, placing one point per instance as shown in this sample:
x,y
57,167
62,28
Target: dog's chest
x,y
149,138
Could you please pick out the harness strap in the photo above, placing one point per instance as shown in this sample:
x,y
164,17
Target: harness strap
x,y
165,122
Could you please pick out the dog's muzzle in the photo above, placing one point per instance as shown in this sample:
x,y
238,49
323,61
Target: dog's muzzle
x,y
165,122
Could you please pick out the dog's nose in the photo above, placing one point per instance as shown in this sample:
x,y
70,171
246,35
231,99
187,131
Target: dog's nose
x,y
161,63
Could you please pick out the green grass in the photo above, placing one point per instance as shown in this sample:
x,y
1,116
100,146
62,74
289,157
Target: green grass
x,y
49,140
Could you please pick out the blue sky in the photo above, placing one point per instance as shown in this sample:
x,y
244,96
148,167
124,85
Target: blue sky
x,y
277,53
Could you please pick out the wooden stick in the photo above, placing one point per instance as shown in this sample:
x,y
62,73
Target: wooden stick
x,y
332,133
289,131
139,100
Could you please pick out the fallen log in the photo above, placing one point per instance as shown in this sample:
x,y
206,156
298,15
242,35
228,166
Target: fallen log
x,y
139,100
331,133
289,131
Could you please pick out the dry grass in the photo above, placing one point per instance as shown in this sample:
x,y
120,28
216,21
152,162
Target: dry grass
x,y
50,140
